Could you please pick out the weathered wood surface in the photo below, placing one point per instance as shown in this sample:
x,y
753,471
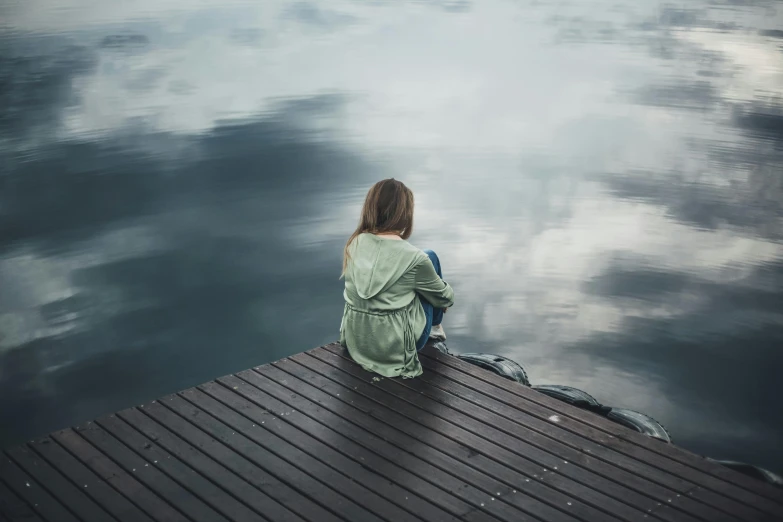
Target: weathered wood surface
x,y
315,438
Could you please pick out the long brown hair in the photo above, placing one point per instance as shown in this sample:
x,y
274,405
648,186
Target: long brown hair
x,y
388,207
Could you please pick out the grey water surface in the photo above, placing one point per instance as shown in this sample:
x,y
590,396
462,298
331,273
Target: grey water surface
x,y
603,181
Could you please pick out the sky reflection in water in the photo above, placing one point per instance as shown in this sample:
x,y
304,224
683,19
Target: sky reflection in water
x,y
601,180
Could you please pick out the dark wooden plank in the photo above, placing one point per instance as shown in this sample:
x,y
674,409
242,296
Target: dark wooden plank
x,y
240,489
58,486
451,496
550,438
148,474
714,476
117,477
214,421
492,402
93,486
484,476
201,486
618,438
287,448
488,440
380,477
314,437
293,500
33,493
543,451
14,508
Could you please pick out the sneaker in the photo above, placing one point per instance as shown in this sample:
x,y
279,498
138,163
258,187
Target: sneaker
x,y
437,332
440,346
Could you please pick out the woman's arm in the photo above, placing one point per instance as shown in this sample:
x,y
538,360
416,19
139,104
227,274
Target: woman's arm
x,y
428,283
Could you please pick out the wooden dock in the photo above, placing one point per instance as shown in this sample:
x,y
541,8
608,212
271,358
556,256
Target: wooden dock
x,y
315,438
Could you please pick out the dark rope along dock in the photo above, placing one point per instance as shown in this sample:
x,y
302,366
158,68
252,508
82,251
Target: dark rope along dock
x,y
314,437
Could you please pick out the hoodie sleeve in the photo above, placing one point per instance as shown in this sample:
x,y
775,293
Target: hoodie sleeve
x,y
428,283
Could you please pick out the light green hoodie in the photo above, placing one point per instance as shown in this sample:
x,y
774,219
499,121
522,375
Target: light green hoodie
x,y
383,317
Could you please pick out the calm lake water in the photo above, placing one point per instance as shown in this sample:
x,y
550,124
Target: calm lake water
x,y
603,181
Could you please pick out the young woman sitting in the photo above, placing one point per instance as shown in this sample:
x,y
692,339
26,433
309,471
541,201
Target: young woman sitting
x,y
395,296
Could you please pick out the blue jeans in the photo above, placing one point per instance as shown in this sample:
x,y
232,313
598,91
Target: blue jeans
x,y
434,317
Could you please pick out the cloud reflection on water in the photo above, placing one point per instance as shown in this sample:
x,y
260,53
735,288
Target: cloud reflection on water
x,y
602,185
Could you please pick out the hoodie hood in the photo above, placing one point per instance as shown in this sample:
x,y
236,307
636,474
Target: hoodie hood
x,y
377,263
